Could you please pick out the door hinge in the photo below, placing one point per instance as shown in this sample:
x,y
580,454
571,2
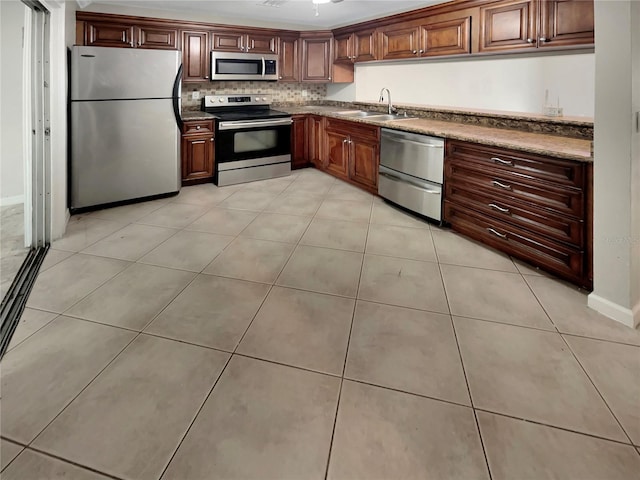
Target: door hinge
x,y
47,131
46,84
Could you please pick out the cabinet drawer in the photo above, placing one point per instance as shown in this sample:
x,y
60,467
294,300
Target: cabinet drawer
x,y
524,215
522,165
569,201
197,127
352,128
554,257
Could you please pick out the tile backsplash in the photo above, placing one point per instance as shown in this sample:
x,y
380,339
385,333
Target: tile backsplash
x,y
282,92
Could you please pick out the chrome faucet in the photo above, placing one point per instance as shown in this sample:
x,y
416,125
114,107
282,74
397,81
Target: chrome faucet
x,y
391,107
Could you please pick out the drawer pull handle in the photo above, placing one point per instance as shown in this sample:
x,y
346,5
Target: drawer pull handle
x,y
503,162
499,208
496,233
501,185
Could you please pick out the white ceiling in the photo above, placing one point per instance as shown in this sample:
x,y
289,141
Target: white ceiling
x,y
293,12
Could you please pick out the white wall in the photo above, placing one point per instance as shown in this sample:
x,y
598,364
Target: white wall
x,y
512,83
11,118
616,182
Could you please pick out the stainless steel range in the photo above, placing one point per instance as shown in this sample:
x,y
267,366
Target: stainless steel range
x,y
253,142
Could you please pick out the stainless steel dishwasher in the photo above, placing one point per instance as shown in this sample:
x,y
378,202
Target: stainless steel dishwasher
x,y
411,171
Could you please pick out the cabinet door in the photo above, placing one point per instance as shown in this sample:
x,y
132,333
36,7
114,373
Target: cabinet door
x,y
159,38
316,141
337,150
256,43
343,47
446,38
316,59
365,46
298,141
197,158
99,34
508,25
289,68
364,161
566,22
228,41
195,57
399,41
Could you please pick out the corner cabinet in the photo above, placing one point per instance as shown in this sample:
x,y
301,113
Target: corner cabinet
x,y
532,207
317,60
359,46
195,56
197,152
352,152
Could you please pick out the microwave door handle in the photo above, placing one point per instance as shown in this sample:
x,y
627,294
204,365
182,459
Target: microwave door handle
x,y
264,67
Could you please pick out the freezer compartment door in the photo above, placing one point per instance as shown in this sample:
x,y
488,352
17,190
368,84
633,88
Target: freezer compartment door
x,y
121,150
421,197
102,73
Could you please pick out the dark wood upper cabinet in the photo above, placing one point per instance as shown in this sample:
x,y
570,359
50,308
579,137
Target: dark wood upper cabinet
x,y
244,42
228,41
316,59
508,25
566,23
195,56
107,34
159,38
451,37
399,41
289,68
343,48
365,45
517,24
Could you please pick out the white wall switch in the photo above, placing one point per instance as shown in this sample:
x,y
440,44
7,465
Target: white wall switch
x,y
195,95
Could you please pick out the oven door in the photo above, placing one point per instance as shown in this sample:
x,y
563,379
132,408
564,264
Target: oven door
x,y
253,139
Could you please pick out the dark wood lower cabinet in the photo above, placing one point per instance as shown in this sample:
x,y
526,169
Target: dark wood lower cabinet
x,y
299,158
532,207
198,158
352,152
315,140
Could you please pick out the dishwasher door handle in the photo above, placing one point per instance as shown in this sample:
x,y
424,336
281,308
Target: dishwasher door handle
x,y
412,185
404,140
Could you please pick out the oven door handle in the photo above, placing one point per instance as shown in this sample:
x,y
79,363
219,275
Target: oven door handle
x,y
237,125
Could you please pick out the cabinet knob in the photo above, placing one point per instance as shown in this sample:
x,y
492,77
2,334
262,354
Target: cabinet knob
x,y
530,40
345,140
329,78
212,139
206,77
414,52
279,78
543,39
420,51
197,127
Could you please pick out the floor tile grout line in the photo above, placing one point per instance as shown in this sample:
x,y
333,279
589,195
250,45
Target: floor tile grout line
x,y
22,449
66,460
466,380
615,342
195,417
502,322
346,356
32,333
597,389
557,427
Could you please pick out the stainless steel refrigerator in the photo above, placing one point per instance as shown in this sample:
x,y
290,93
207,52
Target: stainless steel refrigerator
x,y
125,124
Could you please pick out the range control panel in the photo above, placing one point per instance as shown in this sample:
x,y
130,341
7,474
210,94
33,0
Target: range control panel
x,y
212,101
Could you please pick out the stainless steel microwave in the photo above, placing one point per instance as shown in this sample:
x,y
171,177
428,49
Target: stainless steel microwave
x,y
243,66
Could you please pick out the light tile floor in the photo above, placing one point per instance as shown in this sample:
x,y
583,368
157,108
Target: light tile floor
x,y
301,328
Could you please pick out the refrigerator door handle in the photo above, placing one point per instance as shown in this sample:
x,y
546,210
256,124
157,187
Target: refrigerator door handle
x,y
176,98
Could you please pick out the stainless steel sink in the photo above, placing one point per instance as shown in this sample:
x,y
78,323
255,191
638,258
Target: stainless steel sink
x,y
386,117
357,113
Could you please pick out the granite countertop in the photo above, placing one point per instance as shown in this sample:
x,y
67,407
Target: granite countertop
x,y
543,144
538,143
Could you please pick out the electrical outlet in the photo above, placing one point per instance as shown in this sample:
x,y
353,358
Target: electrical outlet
x,y
305,93
195,95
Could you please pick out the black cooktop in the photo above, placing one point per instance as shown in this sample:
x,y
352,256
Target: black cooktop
x,y
244,113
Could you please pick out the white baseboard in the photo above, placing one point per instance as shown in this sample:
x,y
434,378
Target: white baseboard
x,y
614,311
15,200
